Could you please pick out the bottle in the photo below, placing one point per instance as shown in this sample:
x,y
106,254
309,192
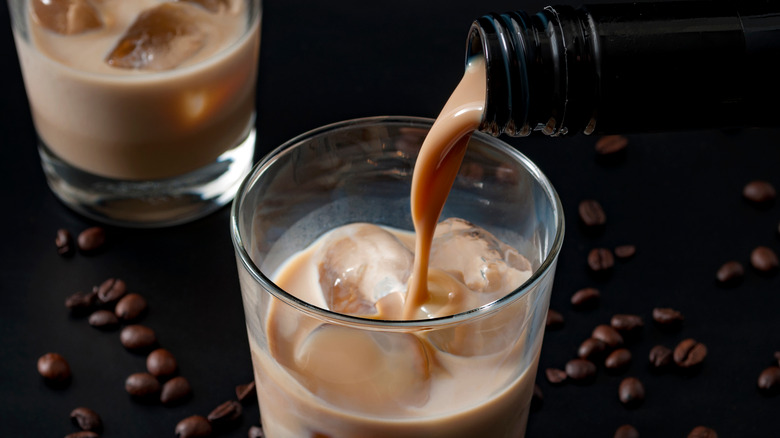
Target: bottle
x,y
633,67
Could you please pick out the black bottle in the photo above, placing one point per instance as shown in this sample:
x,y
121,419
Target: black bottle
x,y
633,67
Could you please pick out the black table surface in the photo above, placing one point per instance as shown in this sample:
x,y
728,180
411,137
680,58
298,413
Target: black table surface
x,y
676,196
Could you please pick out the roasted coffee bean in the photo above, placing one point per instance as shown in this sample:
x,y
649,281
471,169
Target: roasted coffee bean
x,y
591,213
667,318
256,432
702,432
624,322
660,356
554,320
161,362
600,260
194,426
626,431
83,434
764,259
759,192
225,414
555,376
54,368
631,392
625,251
111,290
103,319
580,370
537,398
618,360
730,273
689,353
130,307
86,419
92,239
137,337
64,242
586,298
608,334
769,380
142,385
246,392
611,144
81,303
175,391
591,348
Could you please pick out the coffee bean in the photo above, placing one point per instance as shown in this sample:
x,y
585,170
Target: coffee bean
x,y
631,392
580,370
759,192
591,213
689,353
626,323
626,431
64,242
92,239
111,290
81,303
608,334
660,356
137,337
86,419
730,273
225,414
142,385
103,319
591,348
600,260
246,392
194,426
175,391
764,259
611,144
702,432
83,434
769,380
586,298
256,432
537,398
554,320
54,368
555,376
161,362
618,360
667,318
625,251
130,307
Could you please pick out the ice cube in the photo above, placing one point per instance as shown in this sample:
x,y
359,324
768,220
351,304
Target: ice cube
x,y
212,5
477,258
67,17
359,265
160,38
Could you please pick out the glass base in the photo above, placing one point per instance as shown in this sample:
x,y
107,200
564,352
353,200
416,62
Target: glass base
x,y
150,204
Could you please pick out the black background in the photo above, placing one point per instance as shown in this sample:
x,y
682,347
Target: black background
x,y
676,196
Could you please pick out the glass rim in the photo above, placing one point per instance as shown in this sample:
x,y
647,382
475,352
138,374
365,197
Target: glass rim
x,y
328,315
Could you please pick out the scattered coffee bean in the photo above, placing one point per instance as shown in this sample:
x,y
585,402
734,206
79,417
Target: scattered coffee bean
x,y
194,426
600,260
689,353
702,432
631,392
537,398
611,144
660,356
81,303
256,432
161,362
591,348
225,414
554,319
769,380
92,239
555,376
130,307
54,368
591,213
759,192
580,370
618,360
64,242
103,319
625,251
137,337
142,385
667,318
624,322
608,334
83,434
246,392
764,259
626,431
730,273
175,391
111,290
586,298
86,419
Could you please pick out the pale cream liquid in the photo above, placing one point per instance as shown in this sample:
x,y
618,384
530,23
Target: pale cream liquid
x,y
459,382
133,124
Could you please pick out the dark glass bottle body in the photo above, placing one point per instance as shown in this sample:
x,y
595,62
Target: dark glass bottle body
x,y
633,67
